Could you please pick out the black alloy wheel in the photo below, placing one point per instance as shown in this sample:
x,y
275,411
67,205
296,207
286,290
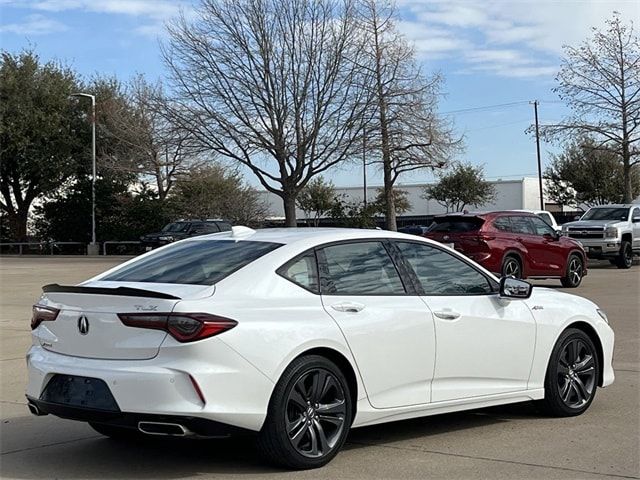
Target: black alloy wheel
x,y
625,258
309,415
574,273
572,374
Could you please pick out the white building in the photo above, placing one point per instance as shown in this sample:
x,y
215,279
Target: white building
x,y
510,195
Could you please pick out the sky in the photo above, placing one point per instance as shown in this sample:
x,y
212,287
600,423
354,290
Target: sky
x,y
496,56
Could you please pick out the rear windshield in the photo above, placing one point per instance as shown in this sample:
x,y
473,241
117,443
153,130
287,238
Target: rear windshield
x,y
456,224
202,262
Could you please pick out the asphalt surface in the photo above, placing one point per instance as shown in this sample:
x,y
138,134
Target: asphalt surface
x,y
504,442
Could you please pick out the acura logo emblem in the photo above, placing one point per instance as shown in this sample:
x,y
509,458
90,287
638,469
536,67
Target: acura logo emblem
x,y
83,325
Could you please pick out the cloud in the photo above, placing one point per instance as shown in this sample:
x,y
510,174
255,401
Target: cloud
x,y
34,25
522,38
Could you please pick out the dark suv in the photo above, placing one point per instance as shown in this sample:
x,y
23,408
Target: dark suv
x,y
513,243
183,229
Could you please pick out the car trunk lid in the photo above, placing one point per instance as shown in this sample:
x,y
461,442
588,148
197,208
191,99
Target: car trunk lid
x,y
87,324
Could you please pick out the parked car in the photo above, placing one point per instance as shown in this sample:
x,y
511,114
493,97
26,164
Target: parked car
x,y
414,229
609,232
299,335
511,243
182,229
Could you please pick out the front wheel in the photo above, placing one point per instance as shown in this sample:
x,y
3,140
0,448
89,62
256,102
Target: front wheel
x,y
625,257
572,375
574,272
309,415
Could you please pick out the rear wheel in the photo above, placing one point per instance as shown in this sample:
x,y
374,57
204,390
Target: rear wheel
x,y
572,375
116,432
625,257
309,415
511,267
574,272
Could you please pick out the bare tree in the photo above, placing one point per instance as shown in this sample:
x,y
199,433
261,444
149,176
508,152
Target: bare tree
x,y
144,141
272,84
600,81
406,132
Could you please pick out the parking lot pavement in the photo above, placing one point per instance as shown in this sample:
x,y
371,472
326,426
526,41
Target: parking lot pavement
x,y
504,442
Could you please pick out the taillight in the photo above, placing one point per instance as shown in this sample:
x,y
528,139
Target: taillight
x,y
42,314
184,327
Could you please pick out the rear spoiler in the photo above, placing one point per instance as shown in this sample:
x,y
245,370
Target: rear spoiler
x,y
120,291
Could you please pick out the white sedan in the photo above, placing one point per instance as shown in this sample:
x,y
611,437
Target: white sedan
x,y
298,335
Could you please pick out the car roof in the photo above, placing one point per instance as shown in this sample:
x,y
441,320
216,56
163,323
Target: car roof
x,y
489,214
305,234
617,205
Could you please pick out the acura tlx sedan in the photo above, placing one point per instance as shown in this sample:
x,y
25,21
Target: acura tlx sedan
x,y
298,335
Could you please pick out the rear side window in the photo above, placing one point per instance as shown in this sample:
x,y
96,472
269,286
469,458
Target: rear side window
x,y
502,224
456,225
302,271
224,226
522,225
362,268
194,262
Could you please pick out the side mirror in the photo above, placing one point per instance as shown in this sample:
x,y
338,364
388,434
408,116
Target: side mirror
x,y
511,287
551,236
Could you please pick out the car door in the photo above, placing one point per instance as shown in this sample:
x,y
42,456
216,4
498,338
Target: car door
x,y
485,345
524,234
548,252
635,224
388,328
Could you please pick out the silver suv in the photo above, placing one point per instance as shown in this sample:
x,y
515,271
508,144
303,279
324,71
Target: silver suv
x,y
608,231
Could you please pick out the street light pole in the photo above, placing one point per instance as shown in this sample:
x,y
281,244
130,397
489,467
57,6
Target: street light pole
x,y
92,249
535,110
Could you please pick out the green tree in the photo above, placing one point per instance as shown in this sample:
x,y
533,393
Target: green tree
x,y
584,174
464,185
41,133
316,199
400,201
353,214
215,191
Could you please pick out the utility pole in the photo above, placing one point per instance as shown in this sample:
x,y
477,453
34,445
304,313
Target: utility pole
x,y
535,110
364,169
92,249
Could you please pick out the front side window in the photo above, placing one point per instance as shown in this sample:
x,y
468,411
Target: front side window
x,y
546,217
441,273
541,227
202,262
362,268
302,271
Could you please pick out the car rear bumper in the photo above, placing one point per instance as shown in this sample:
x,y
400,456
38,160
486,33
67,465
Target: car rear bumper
x,y
235,392
193,425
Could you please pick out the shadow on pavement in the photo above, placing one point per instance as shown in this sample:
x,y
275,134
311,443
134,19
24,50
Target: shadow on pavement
x,y
100,457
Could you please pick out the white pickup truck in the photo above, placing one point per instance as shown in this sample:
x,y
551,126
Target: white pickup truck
x,y
608,231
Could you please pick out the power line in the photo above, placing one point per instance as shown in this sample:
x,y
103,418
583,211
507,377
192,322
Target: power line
x,y
496,105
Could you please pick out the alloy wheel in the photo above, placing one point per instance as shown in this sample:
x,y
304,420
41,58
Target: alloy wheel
x,y
575,270
316,412
576,374
512,268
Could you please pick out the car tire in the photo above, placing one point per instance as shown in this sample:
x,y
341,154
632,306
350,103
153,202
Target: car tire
x,y
572,375
116,432
511,266
625,257
574,271
309,415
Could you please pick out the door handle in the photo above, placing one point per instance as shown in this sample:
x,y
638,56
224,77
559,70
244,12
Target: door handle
x,y
447,315
349,307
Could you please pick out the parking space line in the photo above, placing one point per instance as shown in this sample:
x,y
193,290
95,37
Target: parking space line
x,y
489,459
